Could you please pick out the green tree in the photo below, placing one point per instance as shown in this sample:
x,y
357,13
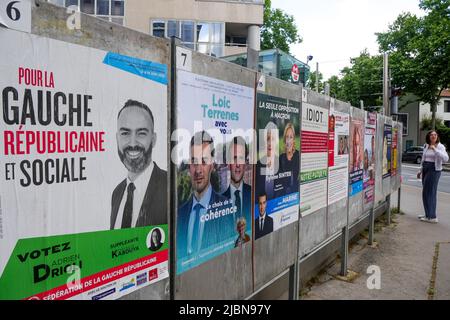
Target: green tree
x,y
426,124
362,80
279,29
419,50
311,83
335,86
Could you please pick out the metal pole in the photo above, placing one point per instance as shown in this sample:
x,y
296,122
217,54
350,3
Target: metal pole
x,y
294,273
317,77
326,89
344,251
388,200
293,281
173,168
387,111
345,236
399,197
371,226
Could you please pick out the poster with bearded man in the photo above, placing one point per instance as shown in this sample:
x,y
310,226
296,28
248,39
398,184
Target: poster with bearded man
x,y
141,198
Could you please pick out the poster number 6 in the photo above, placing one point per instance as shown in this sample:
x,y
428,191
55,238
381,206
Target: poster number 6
x,y
184,59
12,12
16,14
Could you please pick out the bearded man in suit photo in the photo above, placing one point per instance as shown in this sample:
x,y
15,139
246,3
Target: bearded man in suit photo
x,y
141,198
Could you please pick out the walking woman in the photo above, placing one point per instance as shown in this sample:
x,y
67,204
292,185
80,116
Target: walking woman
x,y
434,154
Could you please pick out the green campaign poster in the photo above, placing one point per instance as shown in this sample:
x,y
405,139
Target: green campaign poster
x,y
83,169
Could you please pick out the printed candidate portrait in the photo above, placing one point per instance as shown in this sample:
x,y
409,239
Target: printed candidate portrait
x,y
277,170
387,145
155,239
356,147
366,166
238,190
289,160
140,199
342,145
369,157
267,166
198,225
264,222
243,237
332,123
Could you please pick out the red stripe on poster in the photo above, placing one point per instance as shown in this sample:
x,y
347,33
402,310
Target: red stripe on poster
x,y
101,278
314,142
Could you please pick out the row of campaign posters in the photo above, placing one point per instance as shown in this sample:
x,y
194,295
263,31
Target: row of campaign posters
x,y
84,192
215,156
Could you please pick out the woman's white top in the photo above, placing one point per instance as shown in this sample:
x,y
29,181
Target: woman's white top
x,y
440,157
430,156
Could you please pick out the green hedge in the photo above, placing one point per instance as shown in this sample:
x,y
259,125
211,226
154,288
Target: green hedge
x,y
444,135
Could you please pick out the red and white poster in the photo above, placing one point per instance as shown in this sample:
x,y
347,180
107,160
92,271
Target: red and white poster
x,y
314,159
338,162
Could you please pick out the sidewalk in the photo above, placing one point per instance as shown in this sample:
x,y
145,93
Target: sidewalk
x,y
404,254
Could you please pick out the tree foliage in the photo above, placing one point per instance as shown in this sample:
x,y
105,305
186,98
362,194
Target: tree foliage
x,y
419,60
426,124
279,29
363,80
419,48
444,135
311,83
335,86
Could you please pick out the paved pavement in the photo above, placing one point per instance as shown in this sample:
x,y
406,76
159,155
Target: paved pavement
x,y
405,255
443,273
409,174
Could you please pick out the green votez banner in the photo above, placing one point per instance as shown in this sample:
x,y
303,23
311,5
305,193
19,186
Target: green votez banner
x,y
70,266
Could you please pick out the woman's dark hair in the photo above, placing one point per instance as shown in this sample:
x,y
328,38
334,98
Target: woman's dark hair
x,y
158,234
428,139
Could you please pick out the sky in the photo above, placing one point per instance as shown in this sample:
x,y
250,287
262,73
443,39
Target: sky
x,y
333,31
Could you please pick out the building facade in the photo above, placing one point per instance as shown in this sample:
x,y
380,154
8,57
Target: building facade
x,y
412,112
109,10
276,63
214,27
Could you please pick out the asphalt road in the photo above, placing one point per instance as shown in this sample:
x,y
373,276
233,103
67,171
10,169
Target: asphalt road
x,y
409,175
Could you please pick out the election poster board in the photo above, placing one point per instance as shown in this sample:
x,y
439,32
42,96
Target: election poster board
x,y
369,157
213,154
278,164
314,159
394,161
356,157
387,145
67,157
339,125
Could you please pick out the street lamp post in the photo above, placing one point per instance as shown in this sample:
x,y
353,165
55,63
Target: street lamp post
x,y
308,59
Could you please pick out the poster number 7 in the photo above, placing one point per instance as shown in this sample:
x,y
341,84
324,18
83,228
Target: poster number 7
x,y
16,14
184,59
